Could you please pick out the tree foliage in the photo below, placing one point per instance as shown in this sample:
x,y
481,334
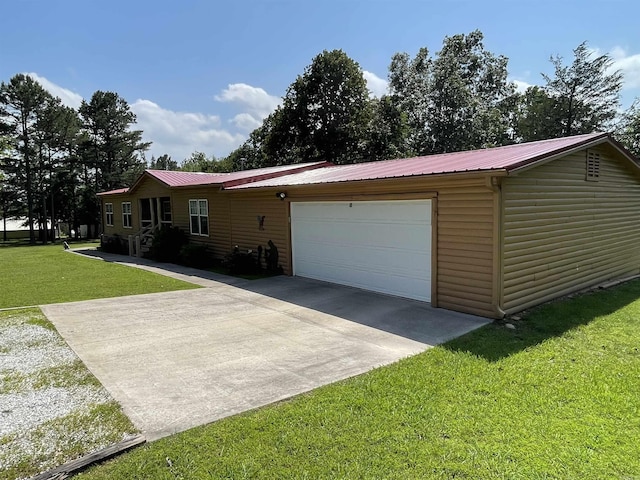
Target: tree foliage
x,y
112,148
324,116
23,102
628,129
582,97
55,161
163,162
198,162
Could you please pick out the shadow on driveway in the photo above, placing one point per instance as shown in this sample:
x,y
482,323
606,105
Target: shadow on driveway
x,y
408,318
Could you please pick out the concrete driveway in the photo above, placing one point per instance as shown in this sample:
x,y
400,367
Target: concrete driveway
x,y
180,359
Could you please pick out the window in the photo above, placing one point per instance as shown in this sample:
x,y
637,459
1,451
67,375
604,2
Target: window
x,y
593,166
126,214
108,214
199,215
166,211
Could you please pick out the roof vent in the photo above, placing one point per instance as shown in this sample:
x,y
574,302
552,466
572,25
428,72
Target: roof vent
x,y
593,166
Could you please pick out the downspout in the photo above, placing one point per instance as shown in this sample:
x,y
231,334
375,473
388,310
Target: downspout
x,y
495,185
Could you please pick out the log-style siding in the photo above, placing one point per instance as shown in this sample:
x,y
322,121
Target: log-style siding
x,y
562,233
117,228
246,210
465,270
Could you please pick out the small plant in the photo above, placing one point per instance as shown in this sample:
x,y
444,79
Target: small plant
x,y
241,262
167,244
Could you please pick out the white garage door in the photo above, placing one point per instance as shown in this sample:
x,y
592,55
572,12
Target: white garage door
x,y
383,246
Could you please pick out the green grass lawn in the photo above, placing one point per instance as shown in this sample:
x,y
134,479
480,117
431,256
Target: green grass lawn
x,y
37,275
558,397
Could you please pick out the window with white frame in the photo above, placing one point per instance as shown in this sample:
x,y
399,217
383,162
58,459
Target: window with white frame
x,y
199,217
126,214
108,214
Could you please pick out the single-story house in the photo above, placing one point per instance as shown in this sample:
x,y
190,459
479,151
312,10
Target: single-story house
x,y
489,232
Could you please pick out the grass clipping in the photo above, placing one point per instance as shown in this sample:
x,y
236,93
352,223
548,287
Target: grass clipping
x,y
52,408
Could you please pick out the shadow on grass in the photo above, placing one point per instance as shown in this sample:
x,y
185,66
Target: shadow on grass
x,y
494,342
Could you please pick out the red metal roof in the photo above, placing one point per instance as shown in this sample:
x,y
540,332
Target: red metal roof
x,y
505,158
189,179
114,192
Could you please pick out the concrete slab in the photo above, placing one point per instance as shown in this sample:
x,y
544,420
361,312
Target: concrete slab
x,y
176,360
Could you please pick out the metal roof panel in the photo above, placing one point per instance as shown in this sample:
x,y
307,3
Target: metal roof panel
x,y
491,159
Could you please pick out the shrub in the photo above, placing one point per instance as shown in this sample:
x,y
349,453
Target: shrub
x,y
241,262
114,244
167,244
195,255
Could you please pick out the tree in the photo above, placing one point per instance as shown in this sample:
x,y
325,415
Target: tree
x,y
459,100
326,110
470,97
163,162
198,162
587,95
388,130
537,115
410,84
114,149
628,129
22,103
112,153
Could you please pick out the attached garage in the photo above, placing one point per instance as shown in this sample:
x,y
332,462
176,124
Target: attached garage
x,y
384,246
489,232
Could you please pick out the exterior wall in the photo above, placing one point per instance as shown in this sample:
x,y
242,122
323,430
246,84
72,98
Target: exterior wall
x,y
562,233
464,271
466,267
118,228
218,239
247,212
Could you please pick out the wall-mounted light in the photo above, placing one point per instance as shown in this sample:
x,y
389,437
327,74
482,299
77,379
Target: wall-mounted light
x,y
281,195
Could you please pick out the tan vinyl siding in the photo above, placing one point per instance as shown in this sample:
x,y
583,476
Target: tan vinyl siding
x,y
117,228
245,225
218,238
562,232
465,250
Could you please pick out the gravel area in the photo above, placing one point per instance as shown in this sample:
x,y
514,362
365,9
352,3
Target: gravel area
x,y
47,419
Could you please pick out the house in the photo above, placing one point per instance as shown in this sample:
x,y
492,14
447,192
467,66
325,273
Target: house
x,y
489,232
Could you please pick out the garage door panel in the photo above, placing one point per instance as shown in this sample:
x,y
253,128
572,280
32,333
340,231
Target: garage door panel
x,y
380,246
362,234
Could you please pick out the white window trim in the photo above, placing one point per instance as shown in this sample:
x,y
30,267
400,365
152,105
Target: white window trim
x,y
199,216
125,214
108,214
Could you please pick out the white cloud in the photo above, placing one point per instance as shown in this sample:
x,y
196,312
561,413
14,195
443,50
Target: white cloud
x,y
521,85
246,122
179,134
255,102
630,66
377,86
69,98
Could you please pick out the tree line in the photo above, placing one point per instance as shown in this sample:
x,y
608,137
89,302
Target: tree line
x,y
54,159
458,99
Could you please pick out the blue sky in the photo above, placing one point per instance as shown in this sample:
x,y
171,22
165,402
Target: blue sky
x,y
200,75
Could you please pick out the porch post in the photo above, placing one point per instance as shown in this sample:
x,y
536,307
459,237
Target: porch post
x,y
153,213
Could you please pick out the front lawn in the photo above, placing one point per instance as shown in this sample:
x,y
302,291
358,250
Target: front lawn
x,y
558,397
37,275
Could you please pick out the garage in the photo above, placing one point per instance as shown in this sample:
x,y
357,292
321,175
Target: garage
x,y
384,246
